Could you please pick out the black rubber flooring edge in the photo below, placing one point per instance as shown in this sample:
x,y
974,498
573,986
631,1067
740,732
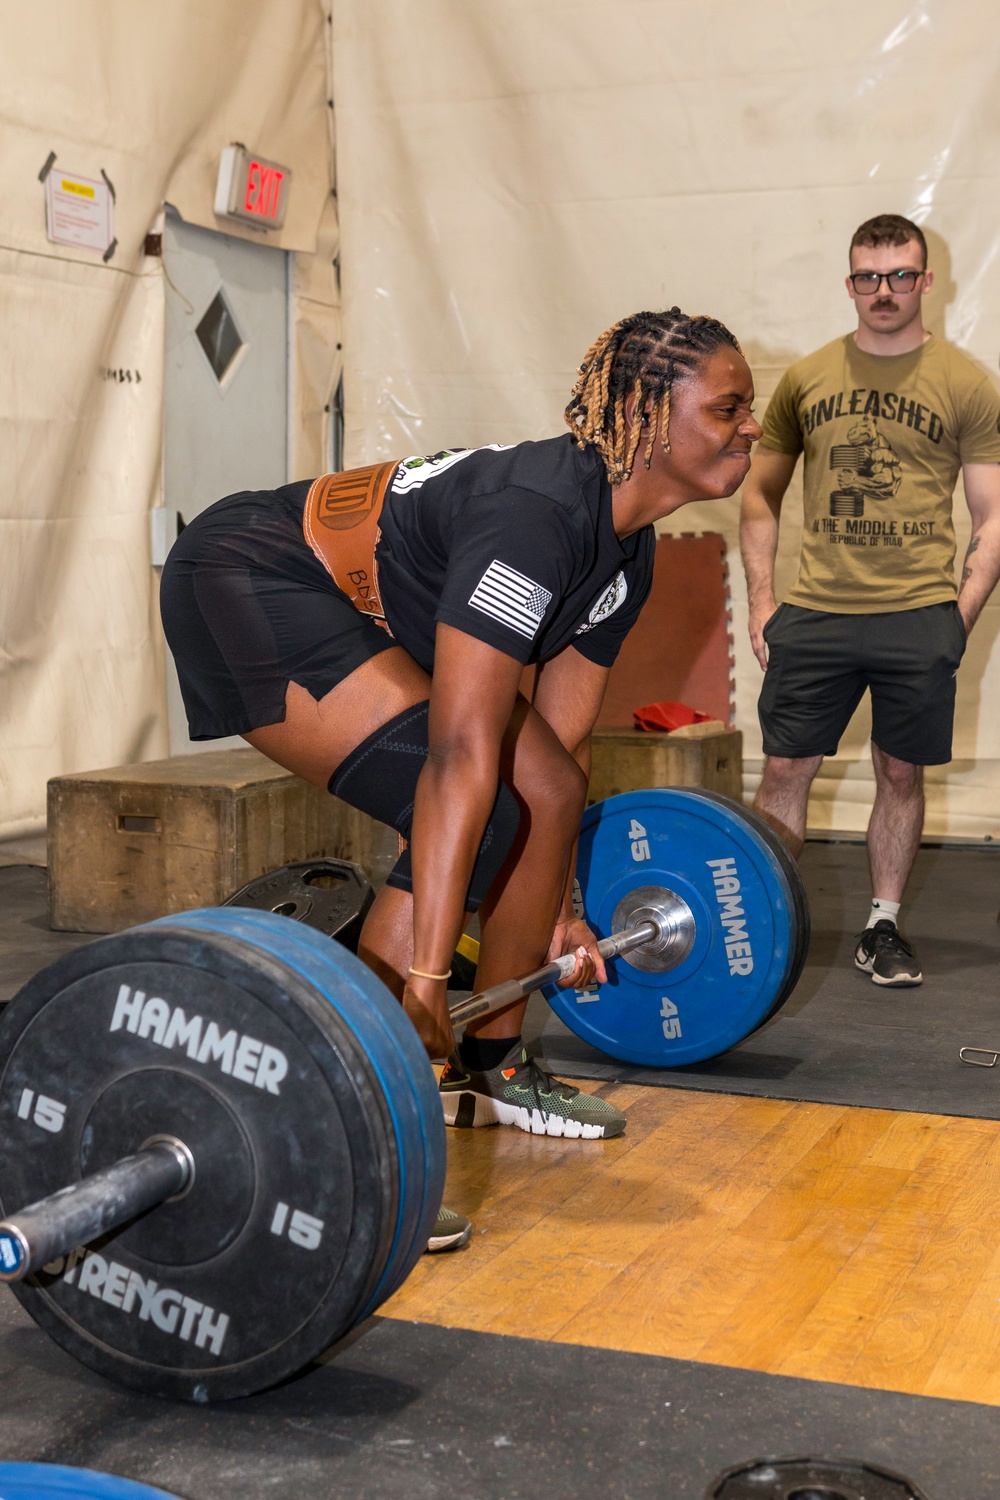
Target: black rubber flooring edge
x,y
414,1410
840,1039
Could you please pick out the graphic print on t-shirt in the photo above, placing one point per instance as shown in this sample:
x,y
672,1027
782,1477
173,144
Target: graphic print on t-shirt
x,y
866,465
511,598
884,438
415,471
612,598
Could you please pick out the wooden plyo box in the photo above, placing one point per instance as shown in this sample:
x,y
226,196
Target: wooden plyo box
x,y
137,842
628,760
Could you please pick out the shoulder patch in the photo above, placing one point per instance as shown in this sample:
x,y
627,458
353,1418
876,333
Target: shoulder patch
x,y
512,598
612,598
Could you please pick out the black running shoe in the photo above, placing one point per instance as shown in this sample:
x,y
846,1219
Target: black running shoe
x,y
885,954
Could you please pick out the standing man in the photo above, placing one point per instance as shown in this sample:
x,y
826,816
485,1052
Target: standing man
x,y
885,416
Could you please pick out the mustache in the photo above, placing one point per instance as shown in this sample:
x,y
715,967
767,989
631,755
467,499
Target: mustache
x,y
885,304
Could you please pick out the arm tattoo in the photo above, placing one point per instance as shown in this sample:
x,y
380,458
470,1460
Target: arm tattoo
x,y
967,571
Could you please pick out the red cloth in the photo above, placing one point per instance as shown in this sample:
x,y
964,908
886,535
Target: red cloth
x,y
667,716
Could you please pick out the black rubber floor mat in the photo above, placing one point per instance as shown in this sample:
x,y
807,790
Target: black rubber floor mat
x,y
26,942
840,1039
409,1409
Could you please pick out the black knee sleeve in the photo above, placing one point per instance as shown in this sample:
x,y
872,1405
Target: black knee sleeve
x,y
380,778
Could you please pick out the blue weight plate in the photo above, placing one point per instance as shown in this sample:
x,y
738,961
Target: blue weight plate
x,y
394,1050
746,928
54,1482
800,901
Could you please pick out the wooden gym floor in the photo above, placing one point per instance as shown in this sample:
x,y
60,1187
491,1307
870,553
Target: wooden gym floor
x,y
736,1275
839,1244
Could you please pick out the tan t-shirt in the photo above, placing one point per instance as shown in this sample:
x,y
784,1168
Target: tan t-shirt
x,y
884,438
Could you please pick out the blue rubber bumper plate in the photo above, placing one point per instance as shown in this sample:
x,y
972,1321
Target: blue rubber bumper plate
x,y
55,1482
745,927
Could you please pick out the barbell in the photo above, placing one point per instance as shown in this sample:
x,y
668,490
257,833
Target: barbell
x,y
229,1139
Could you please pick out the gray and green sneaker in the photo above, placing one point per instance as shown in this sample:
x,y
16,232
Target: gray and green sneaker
x,y
521,1092
451,1231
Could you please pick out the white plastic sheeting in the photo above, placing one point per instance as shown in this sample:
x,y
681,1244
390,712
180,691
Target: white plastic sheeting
x,y
514,175
151,95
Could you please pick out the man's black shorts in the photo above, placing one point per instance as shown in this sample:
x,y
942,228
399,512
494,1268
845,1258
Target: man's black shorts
x,y
820,664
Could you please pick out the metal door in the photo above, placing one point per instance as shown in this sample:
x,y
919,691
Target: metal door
x,y
225,422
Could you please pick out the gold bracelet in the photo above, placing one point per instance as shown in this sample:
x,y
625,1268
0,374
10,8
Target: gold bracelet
x,y
422,974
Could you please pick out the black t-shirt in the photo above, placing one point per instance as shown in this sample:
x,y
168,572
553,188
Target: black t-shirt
x,y
515,547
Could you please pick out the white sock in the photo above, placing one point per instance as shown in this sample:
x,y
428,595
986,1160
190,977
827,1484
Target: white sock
x,y
882,910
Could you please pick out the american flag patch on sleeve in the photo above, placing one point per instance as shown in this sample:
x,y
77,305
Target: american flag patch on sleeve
x,y
511,598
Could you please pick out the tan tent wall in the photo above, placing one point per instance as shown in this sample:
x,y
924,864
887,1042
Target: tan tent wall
x,y
514,177
151,95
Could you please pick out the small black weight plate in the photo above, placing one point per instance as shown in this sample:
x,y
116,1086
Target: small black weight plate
x,y
332,895
236,1047
811,1479
56,1482
800,901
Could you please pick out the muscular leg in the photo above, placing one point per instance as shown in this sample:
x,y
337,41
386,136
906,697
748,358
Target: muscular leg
x,y
315,736
518,916
783,796
313,740
895,825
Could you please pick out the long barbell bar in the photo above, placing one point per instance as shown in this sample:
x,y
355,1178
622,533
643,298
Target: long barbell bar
x,y
163,1167
38,1234
509,990
661,926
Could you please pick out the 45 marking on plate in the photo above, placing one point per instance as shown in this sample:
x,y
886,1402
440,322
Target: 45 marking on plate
x,y
671,1019
640,843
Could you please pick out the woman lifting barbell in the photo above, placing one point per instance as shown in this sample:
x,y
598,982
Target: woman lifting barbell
x,y
368,631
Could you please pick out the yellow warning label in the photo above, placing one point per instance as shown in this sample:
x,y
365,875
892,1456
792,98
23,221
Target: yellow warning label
x,y
77,187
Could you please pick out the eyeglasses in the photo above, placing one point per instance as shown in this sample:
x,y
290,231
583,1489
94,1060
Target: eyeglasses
x,y
867,283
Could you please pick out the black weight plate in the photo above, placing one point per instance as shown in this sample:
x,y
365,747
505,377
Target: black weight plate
x,y
800,901
408,1085
281,1062
332,895
811,1479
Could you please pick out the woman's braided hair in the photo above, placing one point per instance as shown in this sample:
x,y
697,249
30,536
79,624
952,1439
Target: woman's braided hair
x,y
642,356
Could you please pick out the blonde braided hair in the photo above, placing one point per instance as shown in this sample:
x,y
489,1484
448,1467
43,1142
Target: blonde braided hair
x,y
639,356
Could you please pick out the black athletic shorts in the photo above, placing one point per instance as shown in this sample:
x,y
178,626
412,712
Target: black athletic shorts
x,y
247,608
820,664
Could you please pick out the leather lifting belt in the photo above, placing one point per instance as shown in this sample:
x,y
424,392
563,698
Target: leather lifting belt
x,y
341,525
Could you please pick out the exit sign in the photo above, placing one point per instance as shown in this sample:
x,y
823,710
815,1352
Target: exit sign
x,y
250,189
